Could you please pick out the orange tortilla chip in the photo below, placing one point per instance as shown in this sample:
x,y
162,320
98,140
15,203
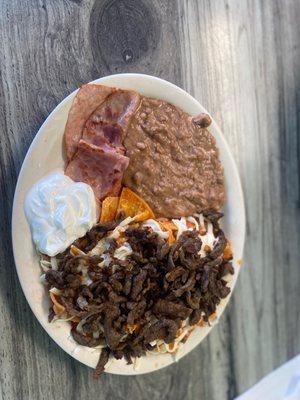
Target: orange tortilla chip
x,y
213,316
167,224
131,205
171,345
57,307
109,209
169,227
228,254
131,328
171,238
166,228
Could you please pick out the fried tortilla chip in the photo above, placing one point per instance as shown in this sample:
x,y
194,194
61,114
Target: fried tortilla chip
x,y
131,205
131,328
57,307
167,224
169,227
109,209
228,254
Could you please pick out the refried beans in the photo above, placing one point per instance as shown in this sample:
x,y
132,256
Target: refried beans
x,y
174,163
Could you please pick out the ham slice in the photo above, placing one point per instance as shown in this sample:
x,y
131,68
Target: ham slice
x,y
88,98
101,168
96,127
117,108
103,134
109,121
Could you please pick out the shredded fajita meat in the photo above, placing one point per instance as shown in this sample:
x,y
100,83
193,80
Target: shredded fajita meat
x,y
125,305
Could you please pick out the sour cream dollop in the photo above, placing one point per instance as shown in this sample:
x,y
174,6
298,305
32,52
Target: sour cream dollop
x,y
59,211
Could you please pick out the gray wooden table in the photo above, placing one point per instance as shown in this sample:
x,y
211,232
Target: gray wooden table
x,y
241,60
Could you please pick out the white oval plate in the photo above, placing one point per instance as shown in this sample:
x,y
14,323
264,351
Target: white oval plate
x,y
45,154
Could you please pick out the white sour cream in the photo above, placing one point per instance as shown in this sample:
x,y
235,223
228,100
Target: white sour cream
x,y
59,211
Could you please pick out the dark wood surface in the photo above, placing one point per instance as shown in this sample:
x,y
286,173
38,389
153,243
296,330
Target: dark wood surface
x,y
241,60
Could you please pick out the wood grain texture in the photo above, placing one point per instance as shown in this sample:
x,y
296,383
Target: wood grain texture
x,y
241,60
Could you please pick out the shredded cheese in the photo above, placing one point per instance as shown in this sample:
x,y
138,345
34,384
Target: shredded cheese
x,y
208,239
156,228
45,265
55,291
123,252
121,227
54,265
181,226
86,280
193,221
106,260
100,247
202,228
43,279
